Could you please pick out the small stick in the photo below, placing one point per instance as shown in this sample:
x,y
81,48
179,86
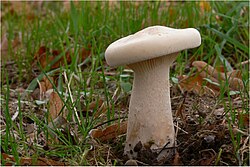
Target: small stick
x,y
243,63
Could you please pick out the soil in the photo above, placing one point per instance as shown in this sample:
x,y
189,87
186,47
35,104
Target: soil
x,y
203,134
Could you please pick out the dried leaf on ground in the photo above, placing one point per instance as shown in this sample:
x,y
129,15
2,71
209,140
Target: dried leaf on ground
x,y
55,105
194,84
45,85
176,159
109,132
4,46
102,110
21,8
207,71
84,53
10,160
208,157
208,79
243,118
93,105
45,57
15,7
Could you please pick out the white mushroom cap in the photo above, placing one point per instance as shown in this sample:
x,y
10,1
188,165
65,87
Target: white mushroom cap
x,y
149,43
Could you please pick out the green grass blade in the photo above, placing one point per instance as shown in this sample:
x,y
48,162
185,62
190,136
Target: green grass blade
x,y
231,40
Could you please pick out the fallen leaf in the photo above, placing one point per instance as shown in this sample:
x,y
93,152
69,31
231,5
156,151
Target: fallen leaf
x,y
85,52
208,157
45,87
93,105
243,118
102,110
208,71
46,82
220,68
208,79
21,8
176,160
235,74
10,161
55,106
4,46
109,132
195,84
40,56
45,57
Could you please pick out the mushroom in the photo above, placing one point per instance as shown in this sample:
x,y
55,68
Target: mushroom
x,y
150,53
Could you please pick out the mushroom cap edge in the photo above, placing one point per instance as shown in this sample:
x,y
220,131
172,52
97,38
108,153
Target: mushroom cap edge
x,y
149,43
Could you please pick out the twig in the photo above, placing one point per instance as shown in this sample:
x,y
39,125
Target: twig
x,y
180,129
141,163
108,122
108,156
243,63
164,147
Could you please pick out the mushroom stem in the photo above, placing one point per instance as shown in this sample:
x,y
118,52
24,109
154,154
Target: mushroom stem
x,y
150,117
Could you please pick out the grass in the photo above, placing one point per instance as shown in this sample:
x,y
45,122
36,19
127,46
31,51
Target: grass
x,y
225,41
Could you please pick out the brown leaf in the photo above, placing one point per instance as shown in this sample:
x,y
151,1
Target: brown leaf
x,y
84,53
102,110
176,160
206,162
16,7
4,43
60,62
191,83
208,71
10,160
220,68
203,66
235,74
45,85
41,56
194,84
208,157
44,56
4,46
243,118
55,105
93,105
47,81
109,132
